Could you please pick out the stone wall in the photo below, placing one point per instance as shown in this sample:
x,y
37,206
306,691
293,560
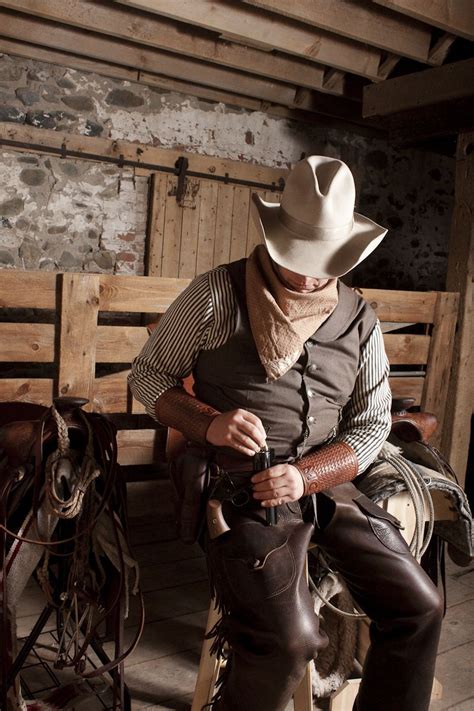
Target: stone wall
x,y
73,215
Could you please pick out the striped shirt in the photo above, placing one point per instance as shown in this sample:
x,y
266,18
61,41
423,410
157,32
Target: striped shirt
x,y
203,318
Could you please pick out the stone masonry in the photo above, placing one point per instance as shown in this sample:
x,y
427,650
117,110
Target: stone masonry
x,y
77,215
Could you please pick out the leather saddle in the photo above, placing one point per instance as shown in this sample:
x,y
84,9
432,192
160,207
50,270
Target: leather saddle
x,y
22,422
411,426
28,432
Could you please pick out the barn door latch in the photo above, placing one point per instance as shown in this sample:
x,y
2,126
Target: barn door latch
x,y
181,166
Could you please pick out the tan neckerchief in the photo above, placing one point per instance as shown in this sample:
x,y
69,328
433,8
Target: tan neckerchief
x,y
282,320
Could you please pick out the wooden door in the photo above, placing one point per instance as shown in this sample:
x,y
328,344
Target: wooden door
x,y
211,225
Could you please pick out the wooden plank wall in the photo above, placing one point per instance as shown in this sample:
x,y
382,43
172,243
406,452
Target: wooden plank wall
x,y
76,344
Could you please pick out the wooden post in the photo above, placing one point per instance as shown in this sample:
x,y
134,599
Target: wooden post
x,y
78,334
460,400
439,364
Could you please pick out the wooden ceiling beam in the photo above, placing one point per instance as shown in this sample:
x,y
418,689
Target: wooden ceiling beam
x,y
329,105
450,82
363,23
454,16
42,140
387,66
416,126
161,33
42,54
28,29
334,80
304,107
256,26
440,49
74,61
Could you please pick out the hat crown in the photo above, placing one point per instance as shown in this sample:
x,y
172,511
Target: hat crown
x,y
314,229
320,192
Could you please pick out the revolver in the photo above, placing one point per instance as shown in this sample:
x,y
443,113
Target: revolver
x,y
263,460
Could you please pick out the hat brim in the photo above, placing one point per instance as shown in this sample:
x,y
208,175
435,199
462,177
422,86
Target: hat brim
x,y
315,258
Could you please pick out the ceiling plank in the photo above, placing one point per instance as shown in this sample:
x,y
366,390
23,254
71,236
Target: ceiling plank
x,y
441,84
254,25
309,102
454,16
108,49
41,54
362,23
30,51
161,33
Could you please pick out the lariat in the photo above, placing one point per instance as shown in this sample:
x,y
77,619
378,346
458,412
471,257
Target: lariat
x,y
63,469
67,471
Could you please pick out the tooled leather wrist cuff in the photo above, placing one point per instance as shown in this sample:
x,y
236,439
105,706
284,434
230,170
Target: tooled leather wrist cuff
x,y
178,409
329,466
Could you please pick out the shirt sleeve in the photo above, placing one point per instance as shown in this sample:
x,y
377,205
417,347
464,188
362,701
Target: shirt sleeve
x,y
201,318
366,419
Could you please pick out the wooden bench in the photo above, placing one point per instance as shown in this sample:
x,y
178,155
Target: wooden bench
x,y
86,328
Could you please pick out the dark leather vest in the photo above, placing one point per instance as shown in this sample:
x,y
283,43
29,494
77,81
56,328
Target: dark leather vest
x,y
301,409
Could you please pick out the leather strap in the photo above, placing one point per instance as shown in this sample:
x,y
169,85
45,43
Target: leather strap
x,y
233,462
177,409
329,466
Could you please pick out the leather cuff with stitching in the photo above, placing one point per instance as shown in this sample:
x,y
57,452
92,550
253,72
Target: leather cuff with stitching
x,y
178,409
329,466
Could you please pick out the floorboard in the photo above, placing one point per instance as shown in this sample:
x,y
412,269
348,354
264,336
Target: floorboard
x,y
162,671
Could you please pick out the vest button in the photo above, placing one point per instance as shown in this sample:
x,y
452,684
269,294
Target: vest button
x,y
311,419
310,393
312,368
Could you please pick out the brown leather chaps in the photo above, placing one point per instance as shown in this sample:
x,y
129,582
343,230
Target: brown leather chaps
x,y
257,572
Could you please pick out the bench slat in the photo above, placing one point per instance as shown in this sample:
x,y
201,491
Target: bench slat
x,y
119,344
27,289
400,306
407,387
139,294
136,447
111,394
27,342
406,349
38,390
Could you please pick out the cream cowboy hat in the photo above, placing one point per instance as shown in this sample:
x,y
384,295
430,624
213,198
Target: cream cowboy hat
x,y
314,230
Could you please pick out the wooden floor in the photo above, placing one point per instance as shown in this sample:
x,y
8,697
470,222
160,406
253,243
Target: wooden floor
x,y
162,671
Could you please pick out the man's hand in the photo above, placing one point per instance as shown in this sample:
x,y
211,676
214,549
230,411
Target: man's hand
x,y
278,485
239,429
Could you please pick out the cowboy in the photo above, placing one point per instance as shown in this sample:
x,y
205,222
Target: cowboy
x,y
285,356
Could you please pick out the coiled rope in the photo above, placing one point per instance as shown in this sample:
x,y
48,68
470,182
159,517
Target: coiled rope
x,y
63,464
420,495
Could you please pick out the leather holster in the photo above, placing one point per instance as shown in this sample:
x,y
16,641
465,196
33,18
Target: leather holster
x,y
190,474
